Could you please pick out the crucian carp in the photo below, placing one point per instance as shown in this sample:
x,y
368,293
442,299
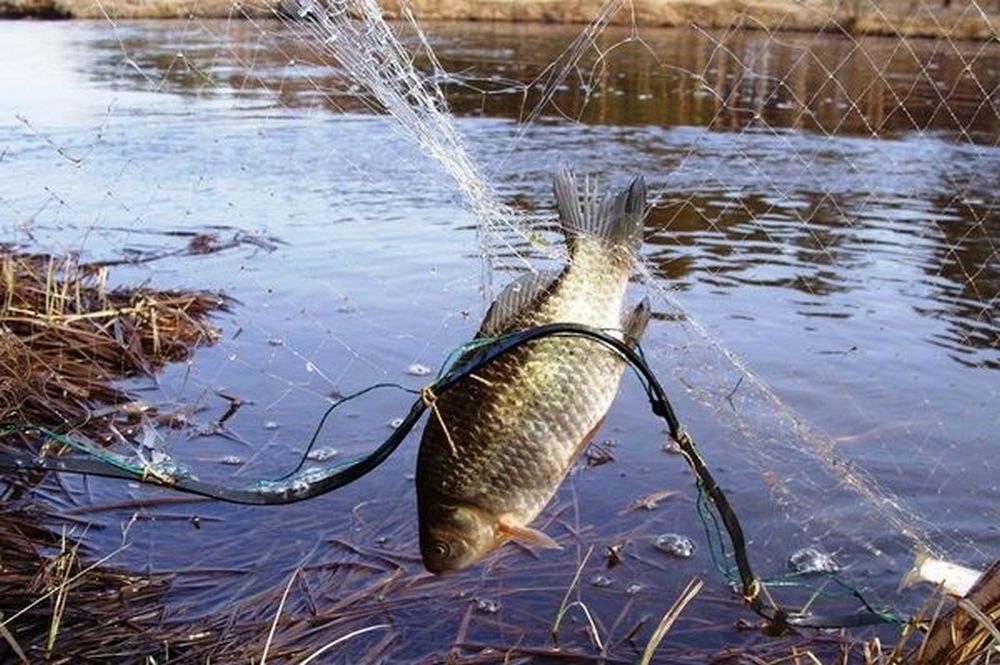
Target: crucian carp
x,y
503,440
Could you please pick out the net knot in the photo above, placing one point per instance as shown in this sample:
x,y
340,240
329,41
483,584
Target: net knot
x,y
429,398
148,471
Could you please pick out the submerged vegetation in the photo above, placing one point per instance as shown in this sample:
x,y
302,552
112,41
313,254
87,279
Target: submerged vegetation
x,y
68,341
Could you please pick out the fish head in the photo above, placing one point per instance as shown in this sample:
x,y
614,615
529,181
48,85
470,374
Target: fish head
x,y
453,537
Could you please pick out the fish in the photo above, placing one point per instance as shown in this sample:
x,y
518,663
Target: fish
x,y
499,444
955,579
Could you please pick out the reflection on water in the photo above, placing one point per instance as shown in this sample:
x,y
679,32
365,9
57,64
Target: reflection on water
x,y
824,83
966,270
830,84
858,276
822,245
827,84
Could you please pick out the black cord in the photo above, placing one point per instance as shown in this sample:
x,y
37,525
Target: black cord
x,y
290,489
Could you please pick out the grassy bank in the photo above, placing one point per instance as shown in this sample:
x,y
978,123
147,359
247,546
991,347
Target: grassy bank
x,y
958,19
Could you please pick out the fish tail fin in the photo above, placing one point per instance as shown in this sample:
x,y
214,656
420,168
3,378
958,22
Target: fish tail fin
x,y
912,576
615,221
635,323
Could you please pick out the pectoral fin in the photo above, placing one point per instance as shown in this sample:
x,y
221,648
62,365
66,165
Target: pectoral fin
x,y
635,323
528,536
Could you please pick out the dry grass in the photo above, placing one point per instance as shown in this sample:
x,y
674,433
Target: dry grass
x,y
66,338
960,20
968,633
54,606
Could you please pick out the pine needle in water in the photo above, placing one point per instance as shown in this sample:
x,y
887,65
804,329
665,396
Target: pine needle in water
x,y
11,642
690,591
563,605
277,616
341,640
67,585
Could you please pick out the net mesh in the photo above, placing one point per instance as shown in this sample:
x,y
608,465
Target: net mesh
x,y
821,252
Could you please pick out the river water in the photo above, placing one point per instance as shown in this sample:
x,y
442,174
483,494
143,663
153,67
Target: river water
x,y
826,217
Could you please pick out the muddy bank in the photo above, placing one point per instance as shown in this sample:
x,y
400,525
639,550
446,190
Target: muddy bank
x,y
955,19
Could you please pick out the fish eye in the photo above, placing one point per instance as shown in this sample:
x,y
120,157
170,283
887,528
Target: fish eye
x,y
440,549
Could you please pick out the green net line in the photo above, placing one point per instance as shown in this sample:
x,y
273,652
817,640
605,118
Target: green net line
x,y
721,557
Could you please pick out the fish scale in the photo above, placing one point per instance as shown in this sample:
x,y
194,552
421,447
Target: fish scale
x,y
511,433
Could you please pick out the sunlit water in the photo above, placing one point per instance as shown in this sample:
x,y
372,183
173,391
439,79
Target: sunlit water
x,y
857,277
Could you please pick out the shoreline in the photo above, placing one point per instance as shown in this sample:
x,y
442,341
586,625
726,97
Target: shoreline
x,y
962,19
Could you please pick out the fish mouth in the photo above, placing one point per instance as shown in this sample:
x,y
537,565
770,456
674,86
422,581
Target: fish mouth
x,y
453,537
439,568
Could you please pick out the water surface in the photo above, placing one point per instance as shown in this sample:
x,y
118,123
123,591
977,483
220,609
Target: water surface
x,y
826,210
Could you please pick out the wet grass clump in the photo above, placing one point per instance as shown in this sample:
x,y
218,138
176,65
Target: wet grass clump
x,y
66,340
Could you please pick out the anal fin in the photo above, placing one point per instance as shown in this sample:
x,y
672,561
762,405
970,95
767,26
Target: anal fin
x,y
528,536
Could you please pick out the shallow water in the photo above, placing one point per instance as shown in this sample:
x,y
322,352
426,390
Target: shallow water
x,y
827,209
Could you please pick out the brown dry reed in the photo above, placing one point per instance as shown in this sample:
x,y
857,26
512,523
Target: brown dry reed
x,y
66,340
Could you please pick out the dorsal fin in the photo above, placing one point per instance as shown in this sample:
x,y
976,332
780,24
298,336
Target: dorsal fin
x,y
516,298
635,323
616,220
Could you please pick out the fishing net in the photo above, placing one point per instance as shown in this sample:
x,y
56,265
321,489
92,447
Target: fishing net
x,y
821,255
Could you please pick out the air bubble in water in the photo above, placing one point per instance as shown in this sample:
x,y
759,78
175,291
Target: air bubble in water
x,y
418,370
322,454
487,606
167,467
601,581
231,460
633,589
812,560
395,423
676,545
670,446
